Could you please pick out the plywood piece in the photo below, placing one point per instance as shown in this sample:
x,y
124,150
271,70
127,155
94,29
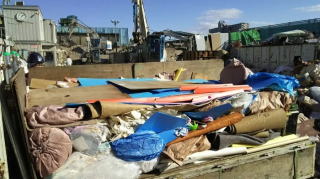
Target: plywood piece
x,y
41,84
143,85
62,96
211,68
148,70
82,71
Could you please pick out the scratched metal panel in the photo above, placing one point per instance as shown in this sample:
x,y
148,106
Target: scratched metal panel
x,y
308,52
284,58
29,30
257,51
3,155
250,56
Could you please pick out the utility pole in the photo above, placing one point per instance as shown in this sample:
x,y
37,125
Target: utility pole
x,y
115,23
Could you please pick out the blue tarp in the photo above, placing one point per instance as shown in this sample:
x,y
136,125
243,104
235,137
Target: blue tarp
x,y
159,93
150,139
214,112
262,80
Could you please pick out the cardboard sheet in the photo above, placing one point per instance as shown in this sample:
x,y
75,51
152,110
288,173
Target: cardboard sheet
x,y
72,95
144,85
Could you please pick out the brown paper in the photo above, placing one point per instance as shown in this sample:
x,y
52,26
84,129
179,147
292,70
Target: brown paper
x,y
103,109
275,119
179,151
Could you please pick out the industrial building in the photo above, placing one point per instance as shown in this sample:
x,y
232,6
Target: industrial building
x,y
26,26
106,33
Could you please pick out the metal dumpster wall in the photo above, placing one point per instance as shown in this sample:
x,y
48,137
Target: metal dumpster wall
x,y
270,57
285,162
210,68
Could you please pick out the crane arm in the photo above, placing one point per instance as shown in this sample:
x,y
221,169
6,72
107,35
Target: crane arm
x,y
141,28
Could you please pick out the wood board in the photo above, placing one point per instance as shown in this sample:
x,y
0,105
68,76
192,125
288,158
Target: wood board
x,y
82,71
61,96
211,68
143,85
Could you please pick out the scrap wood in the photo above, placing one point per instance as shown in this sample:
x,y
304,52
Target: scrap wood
x,y
212,126
41,83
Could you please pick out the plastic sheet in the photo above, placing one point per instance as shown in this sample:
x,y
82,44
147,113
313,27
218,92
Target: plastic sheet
x,y
104,166
140,146
262,80
214,112
87,139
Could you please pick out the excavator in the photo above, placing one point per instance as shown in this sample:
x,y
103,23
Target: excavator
x,y
152,47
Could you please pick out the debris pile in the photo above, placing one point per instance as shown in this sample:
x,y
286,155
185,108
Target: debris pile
x,y
156,124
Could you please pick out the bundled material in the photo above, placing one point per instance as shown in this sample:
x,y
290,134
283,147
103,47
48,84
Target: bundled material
x,y
223,140
53,115
87,139
270,100
275,119
212,126
179,151
235,72
50,148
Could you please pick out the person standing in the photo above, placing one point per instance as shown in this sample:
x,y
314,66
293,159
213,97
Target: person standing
x,y
69,61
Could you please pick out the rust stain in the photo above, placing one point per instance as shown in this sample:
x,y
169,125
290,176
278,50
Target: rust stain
x,y
2,168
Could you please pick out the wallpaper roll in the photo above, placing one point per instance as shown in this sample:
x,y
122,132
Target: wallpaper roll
x,y
275,119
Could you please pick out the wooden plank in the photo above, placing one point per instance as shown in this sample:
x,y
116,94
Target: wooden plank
x,y
62,96
41,84
82,71
211,68
143,85
148,70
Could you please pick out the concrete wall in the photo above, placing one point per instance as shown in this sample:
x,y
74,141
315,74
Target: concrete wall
x,y
270,57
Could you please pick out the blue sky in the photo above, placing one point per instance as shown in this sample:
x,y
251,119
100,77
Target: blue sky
x,y
186,15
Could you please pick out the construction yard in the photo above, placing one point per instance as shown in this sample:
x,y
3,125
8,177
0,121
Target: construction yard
x,y
220,91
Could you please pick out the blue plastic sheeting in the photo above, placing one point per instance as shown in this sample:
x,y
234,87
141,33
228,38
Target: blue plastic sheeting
x,y
262,80
160,122
214,112
100,81
150,138
142,146
159,93
196,81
